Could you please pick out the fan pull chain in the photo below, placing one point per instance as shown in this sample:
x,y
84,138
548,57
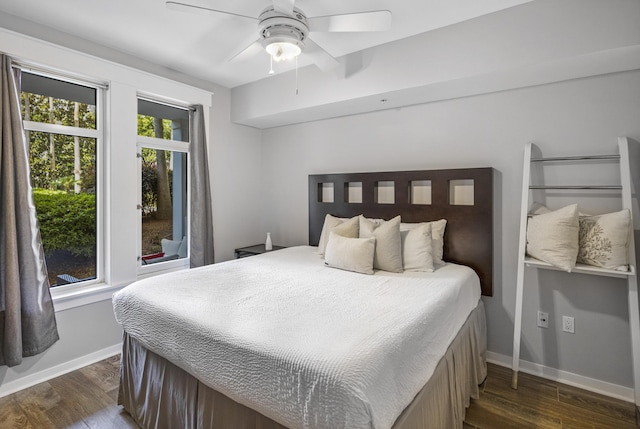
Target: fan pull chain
x,y
271,66
296,75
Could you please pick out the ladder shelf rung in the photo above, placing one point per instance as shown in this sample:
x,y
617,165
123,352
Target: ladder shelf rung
x,y
587,187
581,268
577,158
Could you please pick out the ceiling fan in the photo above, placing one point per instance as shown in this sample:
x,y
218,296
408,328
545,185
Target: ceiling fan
x,y
283,29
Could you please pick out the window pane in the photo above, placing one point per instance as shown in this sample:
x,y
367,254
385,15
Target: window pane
x,y
161,121
164,205
63,174
52,101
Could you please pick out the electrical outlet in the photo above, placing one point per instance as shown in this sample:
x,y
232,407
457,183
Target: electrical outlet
x,y
568,324
543,319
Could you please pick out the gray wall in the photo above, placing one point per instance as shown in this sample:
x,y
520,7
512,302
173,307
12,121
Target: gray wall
x,y
84,331
578,116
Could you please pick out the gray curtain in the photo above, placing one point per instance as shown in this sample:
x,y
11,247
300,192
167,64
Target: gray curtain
x,y
27,318
201,238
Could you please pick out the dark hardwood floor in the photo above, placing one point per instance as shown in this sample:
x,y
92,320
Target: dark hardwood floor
x,y
81,399
86,398
540,403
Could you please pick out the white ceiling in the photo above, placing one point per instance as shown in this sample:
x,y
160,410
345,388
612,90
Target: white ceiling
x,y
200,45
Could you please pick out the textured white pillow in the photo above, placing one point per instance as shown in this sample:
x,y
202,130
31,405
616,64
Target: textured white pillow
x,y
553,237
348,228
437,238
604,240
351,254
417,253
170,247
388,252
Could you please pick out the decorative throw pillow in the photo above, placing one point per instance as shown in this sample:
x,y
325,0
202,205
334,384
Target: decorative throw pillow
x,y
553,237
417,254
388,251
351,254
347,228
437,238
170,247
604,240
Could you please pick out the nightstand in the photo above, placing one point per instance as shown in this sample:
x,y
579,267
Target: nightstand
x,y
258,249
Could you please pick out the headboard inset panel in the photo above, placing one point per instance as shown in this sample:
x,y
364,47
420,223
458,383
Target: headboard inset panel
x,y
468,238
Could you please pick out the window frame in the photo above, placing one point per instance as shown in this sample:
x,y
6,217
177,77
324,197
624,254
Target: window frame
x,y
99,135
174,146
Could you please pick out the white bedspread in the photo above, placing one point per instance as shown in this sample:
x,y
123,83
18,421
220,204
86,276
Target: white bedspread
x,y
304,344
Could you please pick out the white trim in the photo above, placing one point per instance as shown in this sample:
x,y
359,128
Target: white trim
x,y
163,144
591,384
82,295
61,129
23,48
58,370
169,103
146,271
66,75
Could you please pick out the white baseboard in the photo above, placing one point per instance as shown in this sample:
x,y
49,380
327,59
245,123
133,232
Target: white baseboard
x,y
591,384
58,370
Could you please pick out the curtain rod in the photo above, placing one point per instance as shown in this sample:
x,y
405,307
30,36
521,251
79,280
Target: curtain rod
x,y
165,103
79,80
54,73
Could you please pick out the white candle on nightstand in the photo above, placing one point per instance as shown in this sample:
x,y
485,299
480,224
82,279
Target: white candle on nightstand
x,y
268,245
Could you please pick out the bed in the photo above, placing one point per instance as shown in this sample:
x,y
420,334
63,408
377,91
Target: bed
x,y
280,340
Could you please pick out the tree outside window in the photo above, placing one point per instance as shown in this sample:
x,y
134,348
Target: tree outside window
x,y
163,144
60,120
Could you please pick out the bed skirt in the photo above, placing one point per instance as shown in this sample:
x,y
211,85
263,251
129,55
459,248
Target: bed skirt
x,y
160,395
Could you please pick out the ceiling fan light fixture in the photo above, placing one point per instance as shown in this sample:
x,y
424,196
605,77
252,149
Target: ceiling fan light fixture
x,y
283,35
282,50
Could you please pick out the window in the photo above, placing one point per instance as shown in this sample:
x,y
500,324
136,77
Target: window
x,y
163,147
62,124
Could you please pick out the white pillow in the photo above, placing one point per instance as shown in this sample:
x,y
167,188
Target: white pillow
x,y
437,238
348,228
417,254
388,251
170,247
553,237
351,254
604,240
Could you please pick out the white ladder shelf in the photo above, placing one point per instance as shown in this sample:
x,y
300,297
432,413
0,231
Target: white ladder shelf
x,y
629,154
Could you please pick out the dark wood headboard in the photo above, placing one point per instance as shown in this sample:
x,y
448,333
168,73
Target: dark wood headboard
x,y
468,238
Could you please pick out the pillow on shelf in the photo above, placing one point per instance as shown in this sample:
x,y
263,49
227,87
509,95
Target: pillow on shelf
x,y
604,240
388,251
538,208
345,227
553,237
417,253
351,254
437,238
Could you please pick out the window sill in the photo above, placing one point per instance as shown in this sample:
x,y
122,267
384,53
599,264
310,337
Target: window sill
x,y
67,298
151,270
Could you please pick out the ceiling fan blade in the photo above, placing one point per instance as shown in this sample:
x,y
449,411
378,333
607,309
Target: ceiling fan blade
x,y
193,8
284,6
378,20
248,52
319,56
